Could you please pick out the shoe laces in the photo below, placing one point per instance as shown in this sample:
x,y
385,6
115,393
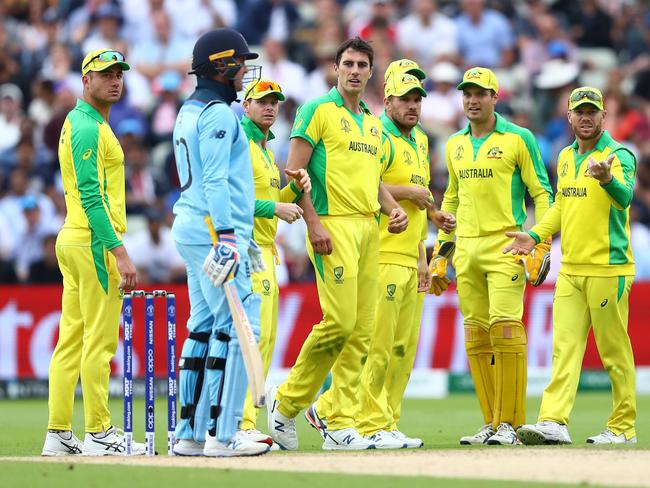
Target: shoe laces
x,y
505,428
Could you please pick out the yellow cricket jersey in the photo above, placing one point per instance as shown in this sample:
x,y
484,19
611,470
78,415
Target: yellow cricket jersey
x,y
266,177
92,169
488,178
346,160
406,162
594,218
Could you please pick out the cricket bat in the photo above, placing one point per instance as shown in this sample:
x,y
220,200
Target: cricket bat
x,y
247,343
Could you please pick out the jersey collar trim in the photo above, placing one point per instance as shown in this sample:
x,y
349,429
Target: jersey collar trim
x,y
253,131
501,125
604,141
88,109
336,97
390,126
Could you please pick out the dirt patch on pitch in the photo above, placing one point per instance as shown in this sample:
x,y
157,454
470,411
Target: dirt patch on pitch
x,y
580,466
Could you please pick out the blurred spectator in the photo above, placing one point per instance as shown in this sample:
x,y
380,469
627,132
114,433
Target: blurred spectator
x,y
163,116
46,269
143,185
11,115
58,67
64,102
43,103
381,16
153,251
37,39
485,37
427,35
194,17
7,246
546,42
592,26
289,75
259,19
106,22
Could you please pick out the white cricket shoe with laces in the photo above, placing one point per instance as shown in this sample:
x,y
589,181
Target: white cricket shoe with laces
x,y
411,442
188,447
608,437
346,440
544,432
110,443
281,427
505,436
481,437
238,446
385,440
255,435
61,443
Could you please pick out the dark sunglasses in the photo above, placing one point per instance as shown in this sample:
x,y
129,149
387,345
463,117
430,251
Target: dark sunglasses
x,y
105,57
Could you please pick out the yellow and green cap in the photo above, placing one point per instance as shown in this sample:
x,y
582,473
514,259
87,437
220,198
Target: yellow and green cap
x,y
586,94
102,59
401,84
483,77
257,89
404,66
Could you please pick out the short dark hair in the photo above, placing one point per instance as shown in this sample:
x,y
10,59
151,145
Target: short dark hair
x,y
356,44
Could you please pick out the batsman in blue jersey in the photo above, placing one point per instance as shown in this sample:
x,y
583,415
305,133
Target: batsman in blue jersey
x,y
214,167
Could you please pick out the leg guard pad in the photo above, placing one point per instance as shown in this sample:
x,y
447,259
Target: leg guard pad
x,y
480,357
509,342
191,367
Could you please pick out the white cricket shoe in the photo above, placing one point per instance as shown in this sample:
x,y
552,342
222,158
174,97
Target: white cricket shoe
x,y
238,446
608,437
385,440
110,443
255,435
481,437
61,443
505,436
544,432
188,447
316,421
346,440
281,427
411,442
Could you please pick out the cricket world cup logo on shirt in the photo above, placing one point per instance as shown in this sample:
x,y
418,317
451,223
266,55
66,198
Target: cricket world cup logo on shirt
x,y
407,158
345,125
460,150
338,274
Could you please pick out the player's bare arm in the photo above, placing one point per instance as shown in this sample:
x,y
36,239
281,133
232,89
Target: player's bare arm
x,y
443,220
424,274
418,195
299,155
398,220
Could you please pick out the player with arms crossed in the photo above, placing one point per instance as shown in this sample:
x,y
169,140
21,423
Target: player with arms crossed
x,y
492,163
261,105
95,265
338,141
592,211
214,167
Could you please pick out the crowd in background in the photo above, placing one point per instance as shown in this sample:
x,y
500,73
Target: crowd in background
x,y
540,50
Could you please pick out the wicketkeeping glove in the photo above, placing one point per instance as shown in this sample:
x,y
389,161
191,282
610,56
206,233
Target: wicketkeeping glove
x,y
438,266
538,263
255,257
222,260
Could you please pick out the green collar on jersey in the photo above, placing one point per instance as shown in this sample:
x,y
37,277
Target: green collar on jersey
x,y
501,125
87,108
336,97
253,131
603,141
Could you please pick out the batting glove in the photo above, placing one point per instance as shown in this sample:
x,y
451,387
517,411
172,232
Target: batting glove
x,y
438,266
538,263
255,257
222,260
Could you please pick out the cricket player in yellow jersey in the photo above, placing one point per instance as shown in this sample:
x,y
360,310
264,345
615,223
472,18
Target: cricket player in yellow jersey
x,y
261,104
338,141
592,211
95,265
491,163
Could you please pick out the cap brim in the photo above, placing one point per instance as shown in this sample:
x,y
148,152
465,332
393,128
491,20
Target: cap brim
x,y
463,84
585,102
121,64
257,96
417,88
418,73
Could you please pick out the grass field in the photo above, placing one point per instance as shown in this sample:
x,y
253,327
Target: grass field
x,y
439,422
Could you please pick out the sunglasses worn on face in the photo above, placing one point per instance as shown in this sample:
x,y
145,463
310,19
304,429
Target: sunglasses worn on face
x,y
589,95
105,57
262,86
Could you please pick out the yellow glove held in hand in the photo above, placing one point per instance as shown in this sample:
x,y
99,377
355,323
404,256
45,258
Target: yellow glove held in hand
x,y
438,267
538,263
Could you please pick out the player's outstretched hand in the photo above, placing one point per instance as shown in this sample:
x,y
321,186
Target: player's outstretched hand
x,y
443,220
424,276
300,176
222,260
601,170
319,238
398,221
256,257
522,244
537,264
289,212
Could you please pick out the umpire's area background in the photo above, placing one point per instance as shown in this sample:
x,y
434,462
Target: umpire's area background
x,y
29,319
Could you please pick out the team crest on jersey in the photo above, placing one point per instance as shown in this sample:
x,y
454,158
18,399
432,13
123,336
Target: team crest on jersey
x,y
345,125
495,153
407,158
374,132
390,292
267,287
564,169
338,274
458,155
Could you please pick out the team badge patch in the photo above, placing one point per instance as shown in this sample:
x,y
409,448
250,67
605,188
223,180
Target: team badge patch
x,y
495,153
374,132
266,284
338,274
390,292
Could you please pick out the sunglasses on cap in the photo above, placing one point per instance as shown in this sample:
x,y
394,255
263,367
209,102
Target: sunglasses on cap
x,y
589,95
106,57
263,86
